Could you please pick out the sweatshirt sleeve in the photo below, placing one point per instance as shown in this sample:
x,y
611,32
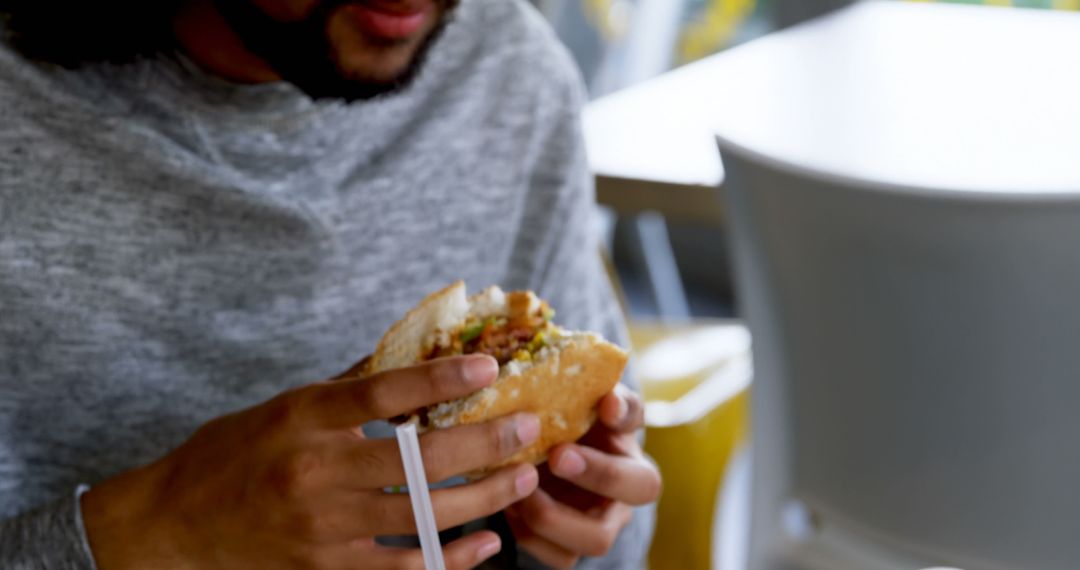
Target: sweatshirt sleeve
x,y
49,538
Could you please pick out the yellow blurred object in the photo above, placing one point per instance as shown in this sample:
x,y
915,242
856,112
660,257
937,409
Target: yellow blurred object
x,y
714,29
610,17
695,379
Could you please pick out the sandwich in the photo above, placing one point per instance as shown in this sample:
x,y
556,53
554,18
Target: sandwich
x,y
557,374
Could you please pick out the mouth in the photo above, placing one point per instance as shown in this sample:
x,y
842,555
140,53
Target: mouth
x,y
389,20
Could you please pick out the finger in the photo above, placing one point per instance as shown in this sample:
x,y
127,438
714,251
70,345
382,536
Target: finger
x,y
472,550
622,410
545,551
630,479
586,534
462,554
334,521
446,453
455,506
548,553
350,403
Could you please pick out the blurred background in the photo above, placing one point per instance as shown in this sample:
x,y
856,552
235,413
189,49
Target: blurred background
x,y
669,235
623,43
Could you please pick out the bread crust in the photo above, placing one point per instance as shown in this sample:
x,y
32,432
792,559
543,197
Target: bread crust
x,y
403,343
562,388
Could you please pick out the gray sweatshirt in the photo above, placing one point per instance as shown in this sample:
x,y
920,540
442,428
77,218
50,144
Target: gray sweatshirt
x,y
174,247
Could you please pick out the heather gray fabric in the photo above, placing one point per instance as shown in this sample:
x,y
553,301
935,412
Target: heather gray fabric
x,y
174,247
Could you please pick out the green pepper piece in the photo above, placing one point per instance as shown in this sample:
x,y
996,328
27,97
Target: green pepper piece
x,y
472,332
539,341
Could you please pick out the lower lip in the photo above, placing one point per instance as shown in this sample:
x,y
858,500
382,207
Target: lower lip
x,y
389,25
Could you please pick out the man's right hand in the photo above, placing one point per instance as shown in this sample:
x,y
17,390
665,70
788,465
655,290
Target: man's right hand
x,y
293,483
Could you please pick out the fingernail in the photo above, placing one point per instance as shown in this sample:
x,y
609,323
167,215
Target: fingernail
x,y
570,463
526,482
620,414
488,550
480,371
528,428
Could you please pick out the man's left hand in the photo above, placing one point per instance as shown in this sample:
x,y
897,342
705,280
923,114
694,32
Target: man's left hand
x,y
588,489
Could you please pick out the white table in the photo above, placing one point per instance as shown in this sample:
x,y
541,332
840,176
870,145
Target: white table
x,y
807,94
651,149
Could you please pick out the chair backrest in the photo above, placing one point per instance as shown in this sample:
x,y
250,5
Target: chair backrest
x,y
916,399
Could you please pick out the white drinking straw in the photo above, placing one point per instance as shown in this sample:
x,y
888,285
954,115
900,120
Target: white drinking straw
x,y
420,497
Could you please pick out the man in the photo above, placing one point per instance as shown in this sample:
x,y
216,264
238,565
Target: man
x,y
206,205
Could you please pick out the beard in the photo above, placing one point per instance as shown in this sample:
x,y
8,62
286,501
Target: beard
x,y
303,54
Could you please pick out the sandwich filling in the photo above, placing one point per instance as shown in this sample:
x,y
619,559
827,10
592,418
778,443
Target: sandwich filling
x,y
514,328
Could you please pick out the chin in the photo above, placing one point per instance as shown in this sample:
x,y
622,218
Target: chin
x,y
362,58
388,69
329,57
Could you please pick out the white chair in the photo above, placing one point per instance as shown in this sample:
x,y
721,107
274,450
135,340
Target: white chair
x,y
917,373
905,207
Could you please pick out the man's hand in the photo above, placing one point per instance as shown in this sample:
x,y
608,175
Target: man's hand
x,y
587,491
293,483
